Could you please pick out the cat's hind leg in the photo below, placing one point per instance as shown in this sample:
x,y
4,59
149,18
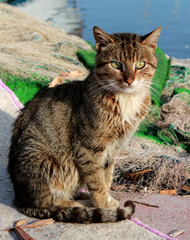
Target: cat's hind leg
x,y
65,196
72,203
85,198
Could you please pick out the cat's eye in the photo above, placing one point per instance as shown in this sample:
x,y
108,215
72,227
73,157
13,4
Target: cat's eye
x,y
140,65
116,65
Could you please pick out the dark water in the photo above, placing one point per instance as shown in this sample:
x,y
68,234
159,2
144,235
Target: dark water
x,y
139,16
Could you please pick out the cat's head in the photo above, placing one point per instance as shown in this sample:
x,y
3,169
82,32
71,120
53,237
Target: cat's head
x,y
125,62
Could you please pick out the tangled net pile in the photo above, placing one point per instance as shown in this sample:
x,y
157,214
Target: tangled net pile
x,y
150,165
35,47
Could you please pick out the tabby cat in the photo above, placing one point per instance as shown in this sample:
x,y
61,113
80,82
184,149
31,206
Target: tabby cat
x,y
68,136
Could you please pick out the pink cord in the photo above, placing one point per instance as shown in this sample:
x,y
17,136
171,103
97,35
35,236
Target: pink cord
x,y
11,93
152,230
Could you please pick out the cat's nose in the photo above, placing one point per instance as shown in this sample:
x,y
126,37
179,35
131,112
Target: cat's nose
x,y
129,81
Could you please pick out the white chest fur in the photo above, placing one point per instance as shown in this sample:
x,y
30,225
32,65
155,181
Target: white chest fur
x,y
130,105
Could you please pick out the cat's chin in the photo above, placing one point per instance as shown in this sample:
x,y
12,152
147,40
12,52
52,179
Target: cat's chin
x,y
127,90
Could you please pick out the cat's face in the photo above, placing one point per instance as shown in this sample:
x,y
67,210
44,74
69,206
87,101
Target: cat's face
x,y
125,62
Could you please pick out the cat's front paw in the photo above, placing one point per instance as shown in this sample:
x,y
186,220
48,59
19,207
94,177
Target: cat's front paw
x,y
113,203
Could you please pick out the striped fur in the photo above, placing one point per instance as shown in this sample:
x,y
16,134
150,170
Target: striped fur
x,y
68,136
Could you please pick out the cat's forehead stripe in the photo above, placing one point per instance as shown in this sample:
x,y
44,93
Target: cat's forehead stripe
x,y
128,43
128,51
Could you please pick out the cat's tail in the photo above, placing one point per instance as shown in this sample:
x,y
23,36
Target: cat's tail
x,y
81,215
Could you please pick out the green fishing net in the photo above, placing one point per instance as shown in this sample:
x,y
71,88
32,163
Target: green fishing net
x,y
170,123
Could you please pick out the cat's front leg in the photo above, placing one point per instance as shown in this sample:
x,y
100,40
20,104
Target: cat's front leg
x,y
93,174
109,169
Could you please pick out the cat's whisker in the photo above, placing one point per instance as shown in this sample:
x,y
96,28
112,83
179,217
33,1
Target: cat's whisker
x,y
112,88
93,87
97,91
154,93
147,87
150,87
155,84
154,90
104,88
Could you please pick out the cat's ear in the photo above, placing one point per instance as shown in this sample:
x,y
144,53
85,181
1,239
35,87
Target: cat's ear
x,y
101,38
151,39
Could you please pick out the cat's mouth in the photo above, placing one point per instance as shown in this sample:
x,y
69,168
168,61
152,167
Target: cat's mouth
x,y
130,88
124,88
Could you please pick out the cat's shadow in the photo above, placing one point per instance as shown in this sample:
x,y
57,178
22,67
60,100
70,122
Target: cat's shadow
x,y
7,206
6,189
